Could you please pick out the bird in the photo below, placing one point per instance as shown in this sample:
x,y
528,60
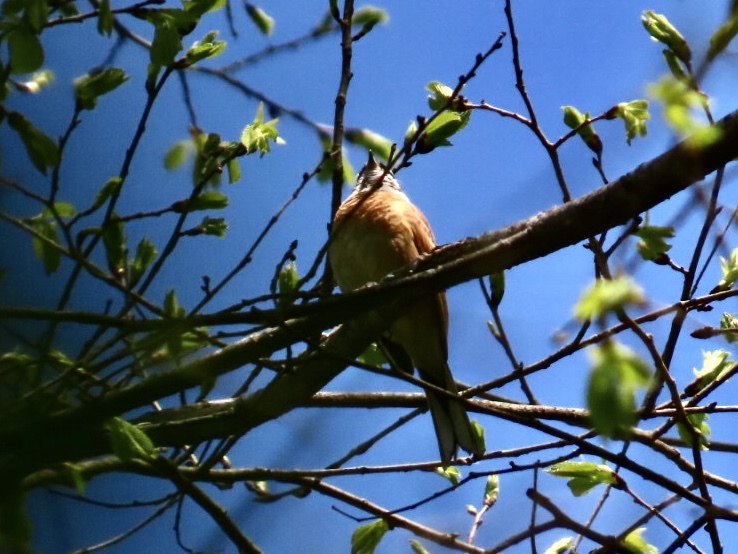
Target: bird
x,y
375,231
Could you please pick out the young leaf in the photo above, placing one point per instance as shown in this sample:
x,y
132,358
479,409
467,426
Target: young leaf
x,y
584,476
714,364
257,134
366,538
607,295
177,154
373,142
42,151
373,355
208,200
116,251
172,309
287,284
206,48
439,130
616,374
561,546
729,321
659,27
637,544
105,18
368,17
110,188
698,422
574,119
729,268
492,490
418,548
497,288
25,49
215,226
46,252
720,40
234,171
38,81
145,254
128,442
88,88
634,114
261,19
440,95
652,245
451,473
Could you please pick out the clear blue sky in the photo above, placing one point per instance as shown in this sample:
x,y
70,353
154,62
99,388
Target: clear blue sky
x,y
588,54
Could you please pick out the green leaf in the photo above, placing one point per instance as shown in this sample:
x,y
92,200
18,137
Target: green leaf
x,y
607,295
208,47
105,18
497,288
257,135
36,14
637,544
287,282
128,442
418,548
15,525
561,546
720,40
167,38
659,27
215,226
260,18
25,49
584,476
714,364
440,95
38,81
729,321
47,253
373,142
208,200
574,119
439,130
634,114
177,154
42,151
616,375
366,538
698,422
88,88
62,209
680,101
234,171
114,240
729,268
652,245
373,355
145,254
368,17
172,309
76,476
110,188
451,473
492,489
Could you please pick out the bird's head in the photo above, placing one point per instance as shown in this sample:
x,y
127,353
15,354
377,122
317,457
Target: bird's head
x,y
374,176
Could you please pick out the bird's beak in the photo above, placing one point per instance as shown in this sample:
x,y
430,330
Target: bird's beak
x,y
371,163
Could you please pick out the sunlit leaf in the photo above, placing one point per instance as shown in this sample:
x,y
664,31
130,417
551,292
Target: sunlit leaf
x,y
699,422
574,119
584,476
366,538
43,152
88,88
607,295
659,27
652,245
261,19
128,442
616,375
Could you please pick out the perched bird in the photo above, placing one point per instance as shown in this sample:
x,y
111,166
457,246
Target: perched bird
x,y
376,231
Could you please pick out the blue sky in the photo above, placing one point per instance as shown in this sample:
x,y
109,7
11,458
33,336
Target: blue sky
x,y
588,54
